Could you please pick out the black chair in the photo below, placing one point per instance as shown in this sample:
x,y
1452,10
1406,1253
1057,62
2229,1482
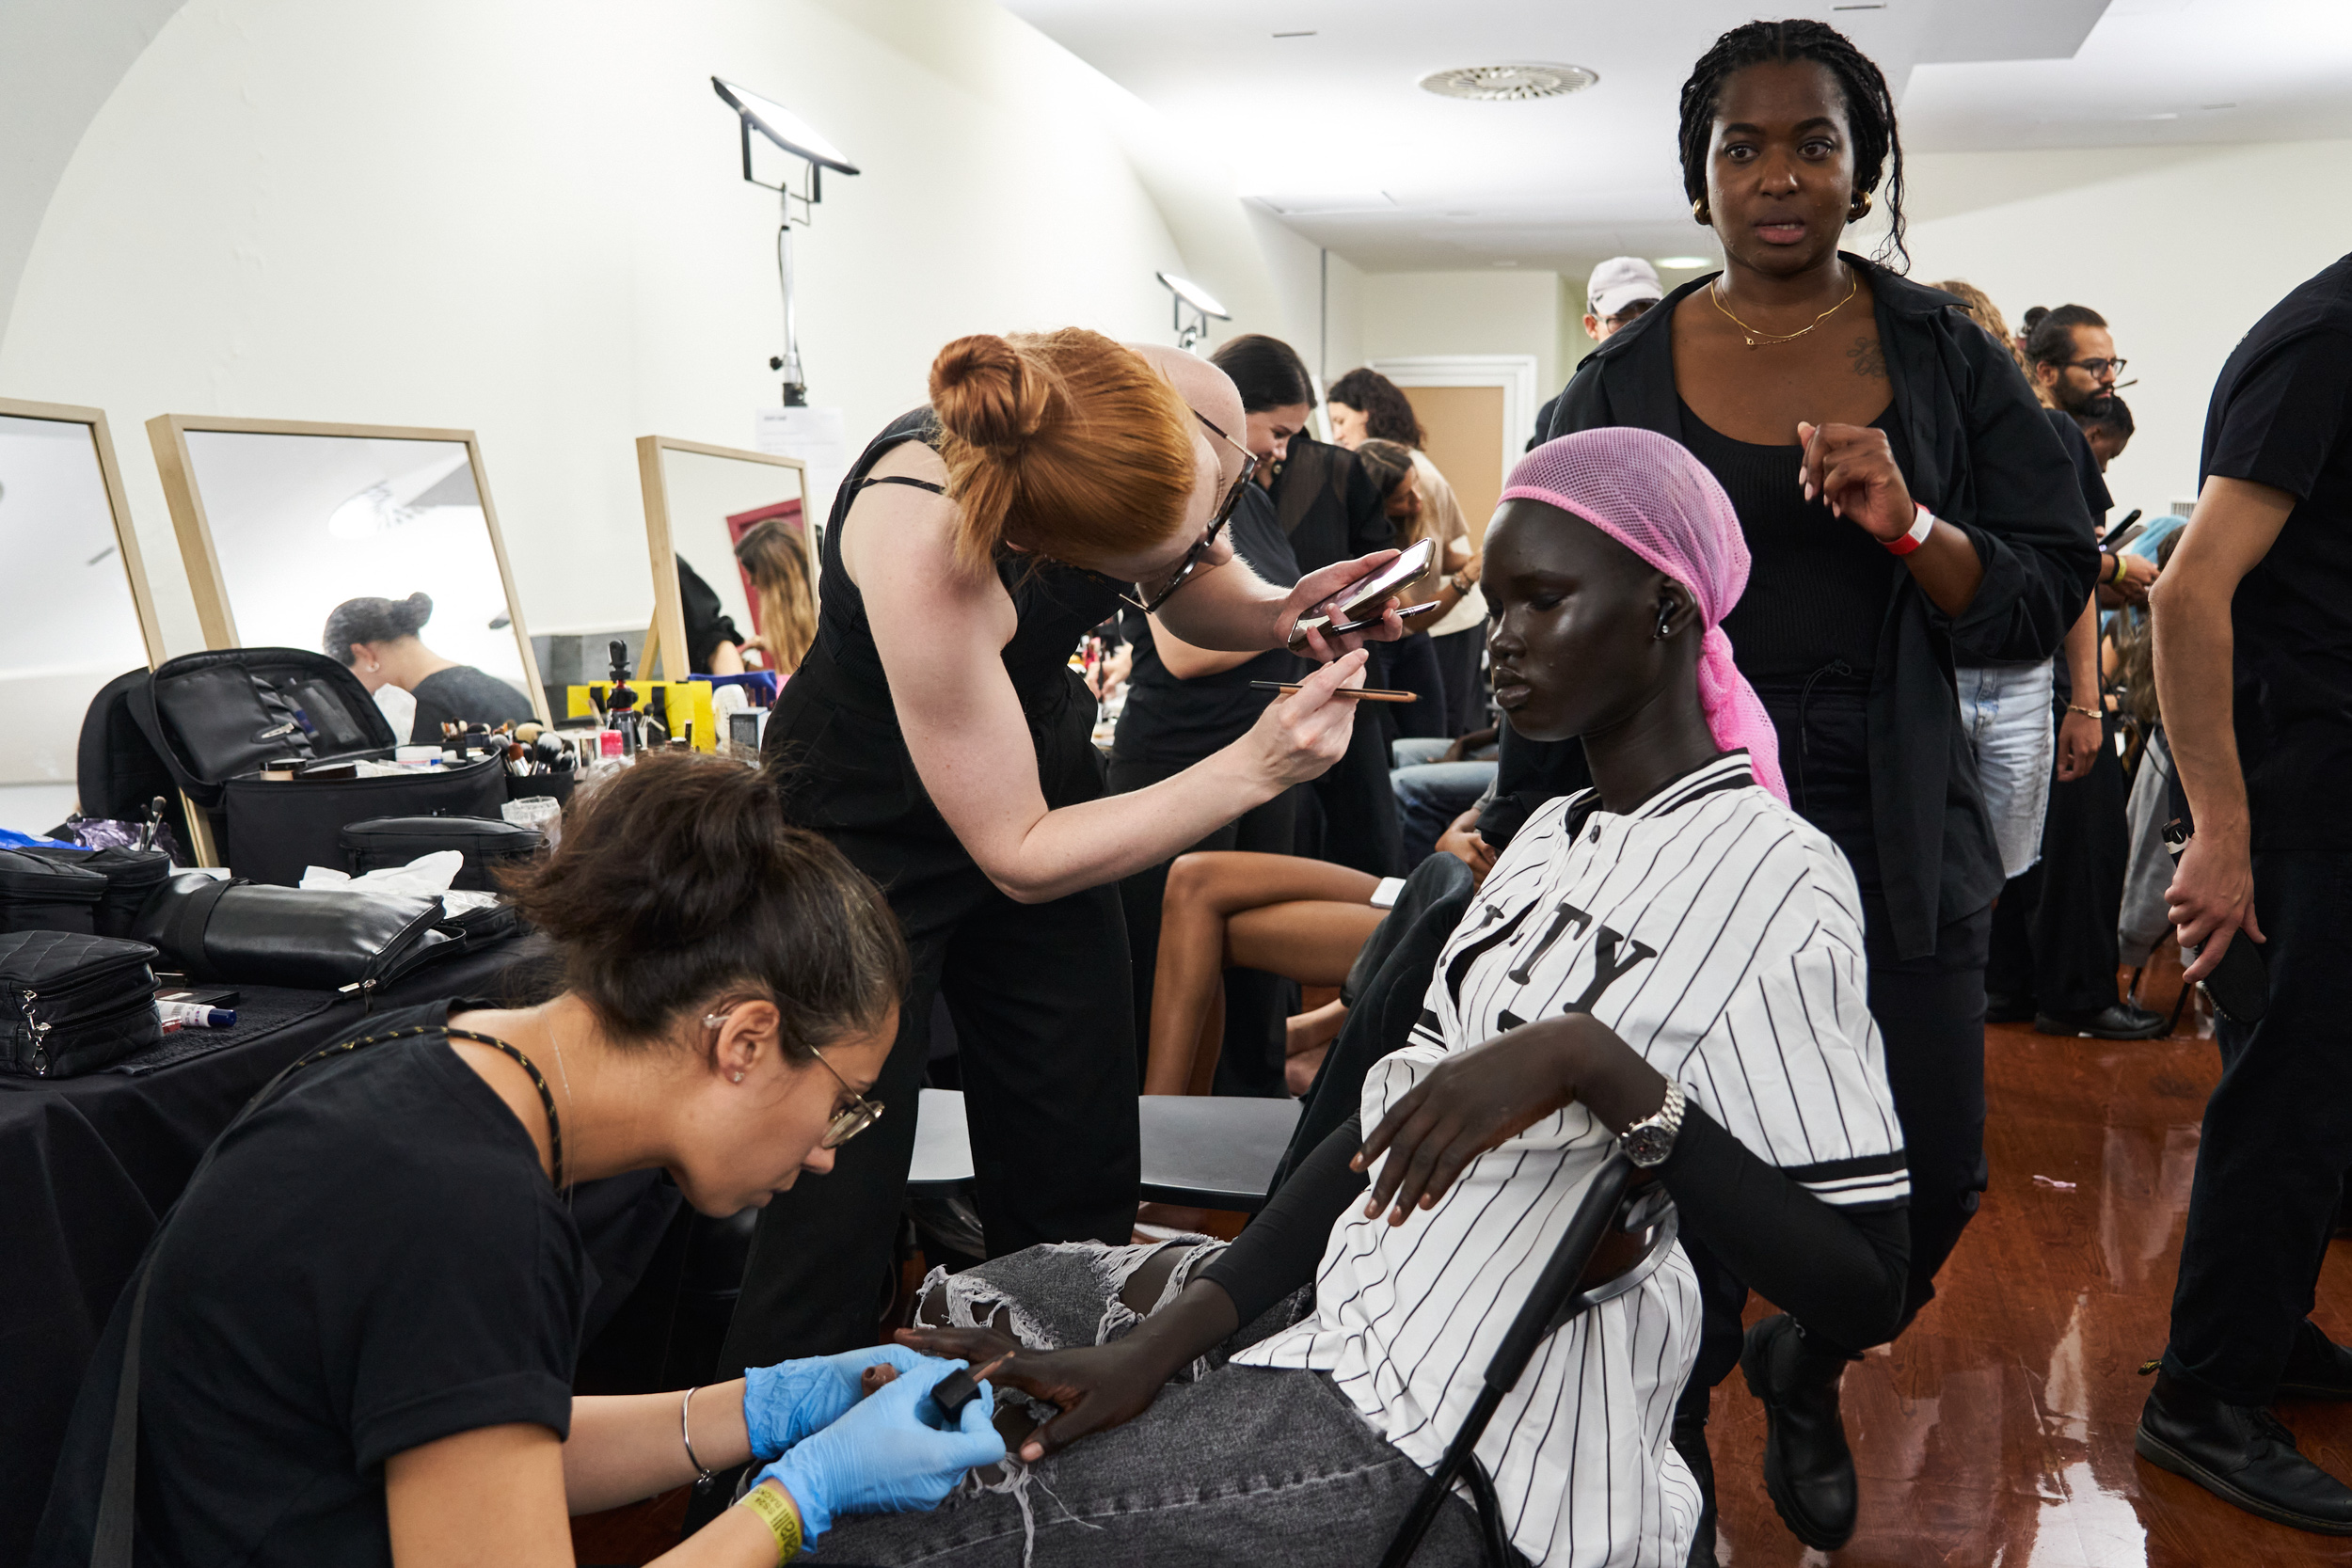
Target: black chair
x,y
1613,1201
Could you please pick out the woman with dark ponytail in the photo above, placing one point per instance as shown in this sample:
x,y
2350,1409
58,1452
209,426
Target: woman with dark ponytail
x,y
935,732
377,639
1903,500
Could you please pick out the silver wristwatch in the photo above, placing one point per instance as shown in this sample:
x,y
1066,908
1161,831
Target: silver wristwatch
x,y
1647,1142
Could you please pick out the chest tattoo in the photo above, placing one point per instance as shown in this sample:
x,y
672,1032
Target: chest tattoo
x,y
1870,359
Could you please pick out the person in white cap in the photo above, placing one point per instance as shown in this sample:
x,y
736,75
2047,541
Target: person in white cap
x,y
1620,290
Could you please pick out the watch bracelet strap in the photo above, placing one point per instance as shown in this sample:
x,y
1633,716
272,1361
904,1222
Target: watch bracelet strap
x,y
776,1511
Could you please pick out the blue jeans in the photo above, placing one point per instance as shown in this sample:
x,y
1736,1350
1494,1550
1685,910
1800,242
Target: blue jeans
x,y
1430,795
2006,710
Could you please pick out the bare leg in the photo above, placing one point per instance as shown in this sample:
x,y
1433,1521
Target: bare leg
x,y
1298,1073
1205,891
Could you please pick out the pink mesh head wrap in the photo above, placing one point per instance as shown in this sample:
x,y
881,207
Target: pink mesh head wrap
x,y
1651,496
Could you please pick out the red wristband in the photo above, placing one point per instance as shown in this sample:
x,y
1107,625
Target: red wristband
x,y
1914,537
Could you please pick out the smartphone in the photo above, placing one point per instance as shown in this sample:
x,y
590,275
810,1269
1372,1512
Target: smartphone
x,y
1362,598
197,998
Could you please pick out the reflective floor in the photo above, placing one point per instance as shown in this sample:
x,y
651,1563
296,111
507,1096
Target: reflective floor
x,y
1998,1431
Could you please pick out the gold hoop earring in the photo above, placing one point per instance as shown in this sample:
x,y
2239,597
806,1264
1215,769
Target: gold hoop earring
x,y
1861,208
1699,213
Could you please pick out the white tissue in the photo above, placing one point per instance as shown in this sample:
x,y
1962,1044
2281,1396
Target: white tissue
x,y
427,873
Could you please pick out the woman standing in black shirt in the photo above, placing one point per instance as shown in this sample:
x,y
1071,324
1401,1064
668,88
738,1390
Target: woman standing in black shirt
x,y
1901,497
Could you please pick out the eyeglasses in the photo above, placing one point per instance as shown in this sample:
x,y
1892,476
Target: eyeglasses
x,y
1631,314
1225,508
862,1113
2097,368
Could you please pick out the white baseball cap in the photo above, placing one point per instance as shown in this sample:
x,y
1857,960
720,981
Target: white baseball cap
x,y
1618,282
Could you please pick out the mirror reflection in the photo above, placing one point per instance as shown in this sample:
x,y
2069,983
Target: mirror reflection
x,y
376,550
70,623
745,584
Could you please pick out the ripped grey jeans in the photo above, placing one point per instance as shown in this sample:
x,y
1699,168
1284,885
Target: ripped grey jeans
x,y
1231,1464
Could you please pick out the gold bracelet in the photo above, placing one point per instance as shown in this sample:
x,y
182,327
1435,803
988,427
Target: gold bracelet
x,y
2086,712
775,1511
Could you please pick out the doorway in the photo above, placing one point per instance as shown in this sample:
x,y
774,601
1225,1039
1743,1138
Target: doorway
x,y
1472,408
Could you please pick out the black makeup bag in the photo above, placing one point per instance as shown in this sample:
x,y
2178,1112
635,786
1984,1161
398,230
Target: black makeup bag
x,y
487,841
217,718
317,940
71,1004
37,894
131,876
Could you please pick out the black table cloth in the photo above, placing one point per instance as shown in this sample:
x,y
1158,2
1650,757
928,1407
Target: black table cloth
x,y
89,1165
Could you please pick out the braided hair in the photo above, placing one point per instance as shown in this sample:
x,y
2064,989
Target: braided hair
x,y
1878,148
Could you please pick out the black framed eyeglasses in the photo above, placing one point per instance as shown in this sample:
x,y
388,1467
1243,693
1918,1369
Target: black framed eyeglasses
x,y
2095,367
1225,509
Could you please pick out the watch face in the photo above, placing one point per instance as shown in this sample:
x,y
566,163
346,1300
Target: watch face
x,y
1648,1146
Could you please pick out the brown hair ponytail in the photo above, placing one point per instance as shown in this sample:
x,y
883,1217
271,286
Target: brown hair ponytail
x,y
1063,443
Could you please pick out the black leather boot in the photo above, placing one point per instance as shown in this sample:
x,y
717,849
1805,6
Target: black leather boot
x,y
2243,1455
1808,1470
1690,1440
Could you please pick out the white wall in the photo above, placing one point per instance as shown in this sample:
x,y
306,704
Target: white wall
x,y
2182,250
1498,310
528,220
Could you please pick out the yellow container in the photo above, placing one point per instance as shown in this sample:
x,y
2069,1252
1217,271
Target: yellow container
x,y
685,702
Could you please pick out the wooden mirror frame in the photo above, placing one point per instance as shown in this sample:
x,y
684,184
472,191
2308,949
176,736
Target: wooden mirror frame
x,y
167,433
669,607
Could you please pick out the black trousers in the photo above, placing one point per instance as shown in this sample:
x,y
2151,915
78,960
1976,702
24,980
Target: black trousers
x,y
1251,1060
1931,1015
1353,819
2277,1141
1410,664
1465,686
2054,941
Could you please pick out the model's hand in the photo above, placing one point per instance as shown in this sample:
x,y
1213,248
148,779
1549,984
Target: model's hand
x,y
1310,598
1096,1387
1852,468
2079,739
1490,1094
1299,736
1463,841
2212,897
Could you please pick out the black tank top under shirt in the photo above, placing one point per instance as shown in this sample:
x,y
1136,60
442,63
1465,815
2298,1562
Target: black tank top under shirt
x,y
1818,586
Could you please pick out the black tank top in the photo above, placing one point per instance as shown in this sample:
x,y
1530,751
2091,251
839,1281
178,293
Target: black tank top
x,y
1054,605
1819,587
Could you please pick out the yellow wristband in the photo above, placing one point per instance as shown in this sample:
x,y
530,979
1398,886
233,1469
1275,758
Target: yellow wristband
x,y
775,1511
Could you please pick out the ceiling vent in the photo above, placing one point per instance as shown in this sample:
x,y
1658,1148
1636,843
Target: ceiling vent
x,y
1509,83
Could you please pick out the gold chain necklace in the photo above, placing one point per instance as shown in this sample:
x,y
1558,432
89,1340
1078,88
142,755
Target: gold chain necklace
x,y
1757,337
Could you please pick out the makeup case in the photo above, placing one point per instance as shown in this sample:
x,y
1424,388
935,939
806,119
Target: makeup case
x,y
249,933
487,841
218,718
131,876
72,1002
41,895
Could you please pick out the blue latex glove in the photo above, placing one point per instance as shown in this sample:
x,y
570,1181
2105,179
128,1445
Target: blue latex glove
x,y
784,1402
889,1454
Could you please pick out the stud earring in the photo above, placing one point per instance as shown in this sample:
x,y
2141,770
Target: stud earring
x,y
739,1078
1665,621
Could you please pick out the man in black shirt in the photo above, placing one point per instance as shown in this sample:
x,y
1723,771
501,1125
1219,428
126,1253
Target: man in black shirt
x,y
2253,648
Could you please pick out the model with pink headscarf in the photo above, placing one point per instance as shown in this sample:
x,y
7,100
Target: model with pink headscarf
x,y
1668,964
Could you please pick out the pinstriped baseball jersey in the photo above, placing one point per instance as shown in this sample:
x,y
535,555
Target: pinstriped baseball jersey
x,y
1718,934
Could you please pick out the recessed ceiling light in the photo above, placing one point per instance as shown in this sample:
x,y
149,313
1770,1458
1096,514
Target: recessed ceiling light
x,y
1684,263
1308,34
1506,263
1509,83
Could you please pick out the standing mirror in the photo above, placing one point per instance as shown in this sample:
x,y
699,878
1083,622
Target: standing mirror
x,y
75,612
700,504
283,524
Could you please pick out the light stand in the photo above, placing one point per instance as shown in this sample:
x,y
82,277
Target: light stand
x,y
1187,295
787,131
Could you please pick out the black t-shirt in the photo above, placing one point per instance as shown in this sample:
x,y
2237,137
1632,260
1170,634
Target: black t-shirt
x,y
374,1259
707,624
2282,416
2096,497
1330,506
1171,720
462,693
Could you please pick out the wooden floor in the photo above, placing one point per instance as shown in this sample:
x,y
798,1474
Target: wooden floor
x,y
1998,1430
1997,1433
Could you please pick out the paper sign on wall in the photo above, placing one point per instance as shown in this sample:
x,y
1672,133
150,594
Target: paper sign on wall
x,y
816,437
